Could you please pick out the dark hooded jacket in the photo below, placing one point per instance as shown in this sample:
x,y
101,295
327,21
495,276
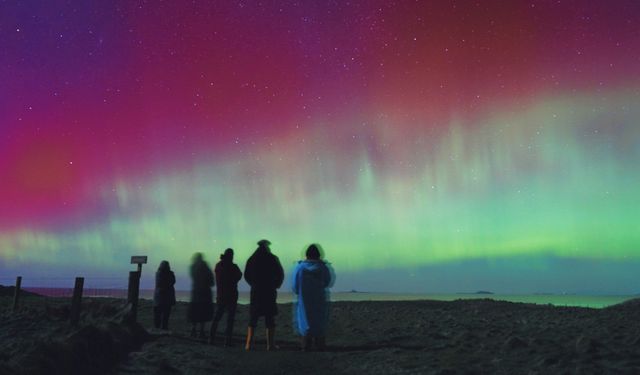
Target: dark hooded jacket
x,y
227,276
265,275
201,306
164,293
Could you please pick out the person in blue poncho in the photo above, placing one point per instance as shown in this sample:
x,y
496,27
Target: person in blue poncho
x,y
311,280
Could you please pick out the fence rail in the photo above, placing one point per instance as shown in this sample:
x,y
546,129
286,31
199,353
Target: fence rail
x,y
74,288
111,287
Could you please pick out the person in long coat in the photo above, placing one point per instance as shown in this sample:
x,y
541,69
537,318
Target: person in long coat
x,y
164,295
265,275
311,279
227,276
201,306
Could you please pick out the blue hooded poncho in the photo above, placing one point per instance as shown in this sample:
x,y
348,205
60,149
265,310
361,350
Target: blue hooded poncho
x,y
310,282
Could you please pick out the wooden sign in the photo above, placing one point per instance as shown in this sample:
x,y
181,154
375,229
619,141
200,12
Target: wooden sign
x,y
139,259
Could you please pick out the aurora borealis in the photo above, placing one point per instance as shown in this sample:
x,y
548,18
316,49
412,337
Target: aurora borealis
x,y
493,142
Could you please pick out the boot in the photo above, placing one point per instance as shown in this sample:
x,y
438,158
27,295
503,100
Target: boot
x,y
306,343
249,343
270,339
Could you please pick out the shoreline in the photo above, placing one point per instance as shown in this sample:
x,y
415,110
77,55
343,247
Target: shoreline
x,y
576,300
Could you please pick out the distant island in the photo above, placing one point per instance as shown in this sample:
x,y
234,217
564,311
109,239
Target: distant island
x,y
478,292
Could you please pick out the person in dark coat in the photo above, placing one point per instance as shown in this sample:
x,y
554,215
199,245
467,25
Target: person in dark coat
x,y
227,276
201,306
311,280
164,295
265,275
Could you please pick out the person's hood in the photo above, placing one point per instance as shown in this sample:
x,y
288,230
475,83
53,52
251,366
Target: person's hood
x,y
311,265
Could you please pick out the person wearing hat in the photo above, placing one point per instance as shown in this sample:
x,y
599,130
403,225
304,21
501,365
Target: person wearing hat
x,y
265,275
227,276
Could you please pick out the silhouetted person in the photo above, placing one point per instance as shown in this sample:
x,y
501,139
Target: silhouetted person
x,y
227,276
264,274
311,279
201,306
164,295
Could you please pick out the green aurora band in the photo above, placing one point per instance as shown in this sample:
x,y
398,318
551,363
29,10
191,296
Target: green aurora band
x,y
559,177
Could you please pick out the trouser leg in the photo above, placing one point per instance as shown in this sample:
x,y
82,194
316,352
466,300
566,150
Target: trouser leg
x,y
271,325
214,325
253,322
166,313
249,344
320,343
271,343
201,331
157,311
306,343
270,321
231,316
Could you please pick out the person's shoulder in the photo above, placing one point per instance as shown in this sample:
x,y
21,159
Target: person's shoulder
x,y
276,260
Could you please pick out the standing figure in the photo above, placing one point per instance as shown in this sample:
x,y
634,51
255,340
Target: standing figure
x,y
164,295
201,305
227,276
311,279
264,274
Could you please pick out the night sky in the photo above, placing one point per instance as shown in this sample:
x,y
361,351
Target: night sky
x,y
426,145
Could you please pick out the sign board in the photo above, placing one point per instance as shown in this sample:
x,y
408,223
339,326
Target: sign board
x,y
139,259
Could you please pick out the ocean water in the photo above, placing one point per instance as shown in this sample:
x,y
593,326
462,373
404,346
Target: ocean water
x,y
593,301
553,299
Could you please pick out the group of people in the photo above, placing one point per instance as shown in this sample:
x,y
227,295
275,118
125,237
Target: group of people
x,y
265,275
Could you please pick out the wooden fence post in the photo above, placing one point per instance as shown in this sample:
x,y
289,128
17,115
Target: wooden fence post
x,y
133,293
16,293
76,300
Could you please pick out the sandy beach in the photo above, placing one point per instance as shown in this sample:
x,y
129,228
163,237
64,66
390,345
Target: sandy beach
x,y
412,337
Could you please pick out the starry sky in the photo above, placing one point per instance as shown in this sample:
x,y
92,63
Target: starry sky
x,y
426,145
